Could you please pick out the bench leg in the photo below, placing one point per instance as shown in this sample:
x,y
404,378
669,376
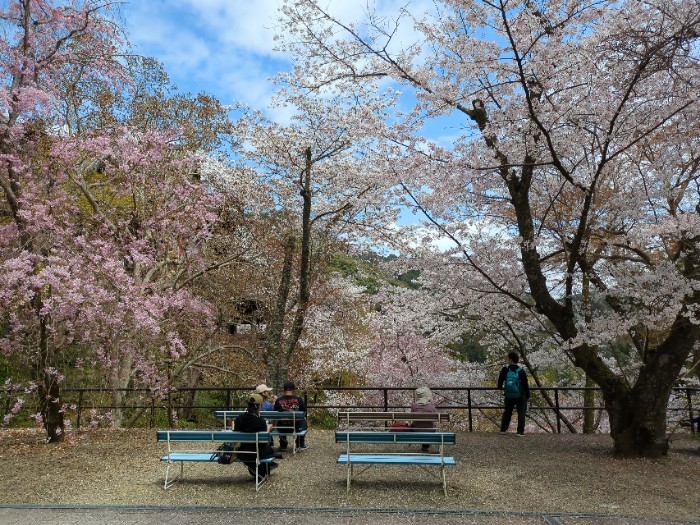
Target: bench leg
x,y
444,480
169,482
347,484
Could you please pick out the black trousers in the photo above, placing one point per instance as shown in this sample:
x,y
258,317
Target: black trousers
x,y
301,425
520,404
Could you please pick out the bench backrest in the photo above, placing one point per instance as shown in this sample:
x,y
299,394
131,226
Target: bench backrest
x,y
271,415
212,435
366,417
266,414
443,438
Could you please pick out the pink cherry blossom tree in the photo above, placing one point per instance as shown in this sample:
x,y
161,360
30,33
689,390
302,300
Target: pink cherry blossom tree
x,y
574,158
105,225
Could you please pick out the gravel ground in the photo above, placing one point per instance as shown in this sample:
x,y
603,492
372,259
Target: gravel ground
x,y
541,473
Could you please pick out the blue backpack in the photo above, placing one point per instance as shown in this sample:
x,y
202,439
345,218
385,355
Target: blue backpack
x,y
512,385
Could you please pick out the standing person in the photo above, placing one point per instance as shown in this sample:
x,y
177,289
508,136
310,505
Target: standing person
x,y
265,391
286,403
424,403
513,381
250,421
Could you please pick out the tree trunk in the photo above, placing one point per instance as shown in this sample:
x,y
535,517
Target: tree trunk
x,y
638,414
589,420
48,381
280,350
276,365
304,265
120,378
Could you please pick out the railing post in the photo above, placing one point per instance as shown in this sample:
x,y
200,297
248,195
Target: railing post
x,y
80,406
386,399
469,408
690,410
228,398
556,405
152,421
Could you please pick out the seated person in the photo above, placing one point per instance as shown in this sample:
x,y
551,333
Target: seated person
x,y
250,421
424,403
290,402
265,391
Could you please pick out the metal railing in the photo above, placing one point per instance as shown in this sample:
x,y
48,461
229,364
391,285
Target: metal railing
x,y
473,403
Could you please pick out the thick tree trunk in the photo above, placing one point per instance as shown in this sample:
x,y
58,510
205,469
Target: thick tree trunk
x,y
638,414
590,422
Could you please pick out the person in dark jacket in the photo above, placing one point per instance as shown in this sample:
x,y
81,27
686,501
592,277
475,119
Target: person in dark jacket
x,y
290,402
250,421
513,381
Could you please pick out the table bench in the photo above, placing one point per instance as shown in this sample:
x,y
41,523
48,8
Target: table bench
x,y
379,436
181,449
274,417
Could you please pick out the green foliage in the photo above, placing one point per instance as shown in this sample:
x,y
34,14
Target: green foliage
x,y
468,349
407,279
552,375
322,419
363,273
365,270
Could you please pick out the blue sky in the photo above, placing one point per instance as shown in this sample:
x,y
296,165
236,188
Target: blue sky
x,y
222,47
225,47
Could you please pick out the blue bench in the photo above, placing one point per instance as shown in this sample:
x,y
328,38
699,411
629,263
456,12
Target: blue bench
x,y
210,439
363,419
422,460
274,417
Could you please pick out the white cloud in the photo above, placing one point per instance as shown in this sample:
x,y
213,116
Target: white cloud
x,y
222,47
225,47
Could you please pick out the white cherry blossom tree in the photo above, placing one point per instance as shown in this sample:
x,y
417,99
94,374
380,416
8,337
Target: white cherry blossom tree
x,y
574,158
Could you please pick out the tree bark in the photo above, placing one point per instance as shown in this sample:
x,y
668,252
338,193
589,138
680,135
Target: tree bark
x,y
280,350
51,409
276,367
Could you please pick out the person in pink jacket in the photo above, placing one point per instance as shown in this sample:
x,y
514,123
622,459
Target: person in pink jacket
x,y
423,403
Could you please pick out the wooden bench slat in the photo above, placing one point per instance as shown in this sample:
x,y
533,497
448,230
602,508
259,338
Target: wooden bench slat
x,y
447,438
215,435
393,416
267,414
392,459
206,457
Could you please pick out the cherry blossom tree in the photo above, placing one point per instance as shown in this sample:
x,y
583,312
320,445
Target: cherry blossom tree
x,y
576,159
321,190
103,225
43,40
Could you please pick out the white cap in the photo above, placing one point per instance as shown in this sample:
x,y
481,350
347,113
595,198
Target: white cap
x,y
262,388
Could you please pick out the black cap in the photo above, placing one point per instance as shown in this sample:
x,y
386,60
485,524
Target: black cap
x,y
288,385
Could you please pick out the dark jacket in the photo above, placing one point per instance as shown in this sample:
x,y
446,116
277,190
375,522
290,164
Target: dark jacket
x,y
290,403
523,379
248,422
